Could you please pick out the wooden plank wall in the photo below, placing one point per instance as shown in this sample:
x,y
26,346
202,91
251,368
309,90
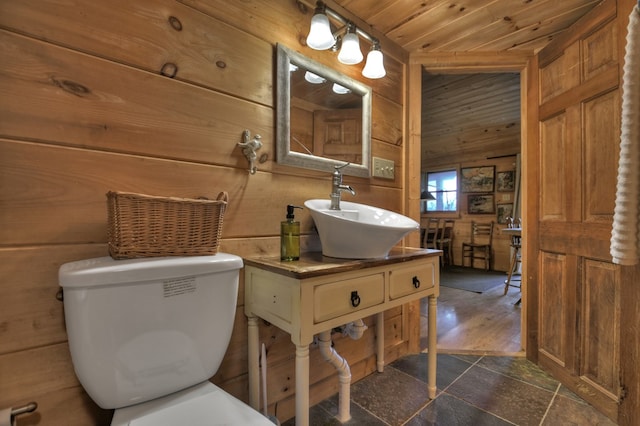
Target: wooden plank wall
x,y
153,97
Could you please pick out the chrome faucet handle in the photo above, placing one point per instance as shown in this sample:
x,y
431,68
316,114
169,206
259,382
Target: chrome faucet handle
x,y
337,167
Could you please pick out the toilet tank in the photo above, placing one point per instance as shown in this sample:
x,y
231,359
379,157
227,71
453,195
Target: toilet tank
x,y
139,329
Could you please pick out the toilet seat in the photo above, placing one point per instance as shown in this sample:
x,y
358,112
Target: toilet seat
x,y
204,404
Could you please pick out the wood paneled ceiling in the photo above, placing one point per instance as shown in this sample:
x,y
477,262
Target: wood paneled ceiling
x,y
468,117
469,25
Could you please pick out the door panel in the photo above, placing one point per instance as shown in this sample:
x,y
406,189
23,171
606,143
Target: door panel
x,y
553,315
600,361
552,182
601,122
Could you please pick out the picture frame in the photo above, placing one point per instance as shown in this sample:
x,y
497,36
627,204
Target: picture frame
x,y
481,204
505,210
505,181
477,179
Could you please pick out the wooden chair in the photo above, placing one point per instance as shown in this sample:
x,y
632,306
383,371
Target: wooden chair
x,y
516,259
431,233
444,241
480,245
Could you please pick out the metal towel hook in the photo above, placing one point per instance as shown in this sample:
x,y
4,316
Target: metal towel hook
x,y
249,147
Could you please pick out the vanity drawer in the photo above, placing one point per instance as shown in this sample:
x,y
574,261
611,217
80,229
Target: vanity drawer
x,y
412,279
346,296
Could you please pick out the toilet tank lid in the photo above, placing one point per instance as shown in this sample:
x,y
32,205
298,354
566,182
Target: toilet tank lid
x,y
105,270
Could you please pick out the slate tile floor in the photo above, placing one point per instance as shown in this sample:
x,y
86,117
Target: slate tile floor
x,y
472,390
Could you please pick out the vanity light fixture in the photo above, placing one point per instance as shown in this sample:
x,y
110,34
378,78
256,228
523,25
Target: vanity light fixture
x,y
321,37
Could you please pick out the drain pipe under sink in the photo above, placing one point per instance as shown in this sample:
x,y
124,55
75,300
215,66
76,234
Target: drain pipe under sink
x,y
355,329
344,375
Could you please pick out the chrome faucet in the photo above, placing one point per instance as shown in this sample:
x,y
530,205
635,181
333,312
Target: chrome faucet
x,y
337,187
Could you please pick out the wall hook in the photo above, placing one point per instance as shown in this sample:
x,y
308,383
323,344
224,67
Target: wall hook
x,y
249,147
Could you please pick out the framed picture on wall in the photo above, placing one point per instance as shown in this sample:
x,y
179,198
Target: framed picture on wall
x,y
481,204
504,211
477,179
505,181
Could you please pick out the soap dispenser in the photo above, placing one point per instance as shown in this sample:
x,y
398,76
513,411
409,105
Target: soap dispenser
x,y
290,236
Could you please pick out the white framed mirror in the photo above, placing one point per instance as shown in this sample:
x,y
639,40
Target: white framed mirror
x,y
323,116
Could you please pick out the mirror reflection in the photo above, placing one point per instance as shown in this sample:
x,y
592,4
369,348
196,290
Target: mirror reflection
x,y
323,116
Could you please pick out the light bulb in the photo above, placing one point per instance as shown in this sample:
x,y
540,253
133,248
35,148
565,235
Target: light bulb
x,y
320,36
350,53
374,68
340,90
313,78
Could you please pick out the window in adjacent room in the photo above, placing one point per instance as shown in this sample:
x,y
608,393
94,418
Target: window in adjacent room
x,y
443,185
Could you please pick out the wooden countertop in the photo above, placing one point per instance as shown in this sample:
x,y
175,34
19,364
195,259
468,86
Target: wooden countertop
x,y
314,264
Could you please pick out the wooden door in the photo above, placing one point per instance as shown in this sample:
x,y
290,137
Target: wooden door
x,y
579,291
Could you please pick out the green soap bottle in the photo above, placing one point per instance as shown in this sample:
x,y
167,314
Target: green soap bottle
x,y
290,236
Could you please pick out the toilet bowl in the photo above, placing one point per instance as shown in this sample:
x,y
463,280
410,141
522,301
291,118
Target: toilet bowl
x,y
146,335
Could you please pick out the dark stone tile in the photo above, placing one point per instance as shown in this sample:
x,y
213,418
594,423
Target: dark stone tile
x,y
520,368
392,396
447,410
324,414
359,416
448,368
568,411
510,399
317,417
471,359
565,391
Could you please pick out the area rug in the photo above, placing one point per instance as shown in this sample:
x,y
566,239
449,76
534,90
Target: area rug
x,y
471,279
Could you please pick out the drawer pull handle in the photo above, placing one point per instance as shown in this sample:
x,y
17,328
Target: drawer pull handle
x,y
355,299
416,282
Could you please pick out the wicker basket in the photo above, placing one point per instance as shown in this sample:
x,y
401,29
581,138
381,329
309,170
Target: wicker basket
x,y
150,226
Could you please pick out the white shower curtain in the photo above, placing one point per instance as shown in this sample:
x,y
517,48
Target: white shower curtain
x,y
625,235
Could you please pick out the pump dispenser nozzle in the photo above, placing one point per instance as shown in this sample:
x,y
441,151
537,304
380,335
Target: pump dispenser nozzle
x,y
290,209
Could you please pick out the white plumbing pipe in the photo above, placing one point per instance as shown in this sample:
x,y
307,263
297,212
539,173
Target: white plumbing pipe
x,y
344,375
355,329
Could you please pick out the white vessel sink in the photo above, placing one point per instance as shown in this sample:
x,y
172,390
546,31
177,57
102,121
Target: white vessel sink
x,y
358,231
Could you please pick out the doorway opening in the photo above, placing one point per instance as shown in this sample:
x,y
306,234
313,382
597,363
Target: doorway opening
x,y
473,120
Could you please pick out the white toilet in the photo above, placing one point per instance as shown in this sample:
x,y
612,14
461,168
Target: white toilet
x,y
146,335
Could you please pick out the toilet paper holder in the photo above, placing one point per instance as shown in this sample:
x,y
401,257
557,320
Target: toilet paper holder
x,y
28,408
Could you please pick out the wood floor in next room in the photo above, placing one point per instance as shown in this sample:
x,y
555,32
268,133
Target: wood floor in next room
x,y
486,323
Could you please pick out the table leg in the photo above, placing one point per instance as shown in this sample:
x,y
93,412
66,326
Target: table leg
x,y
380,341
432,347
302,385
253,339
512,266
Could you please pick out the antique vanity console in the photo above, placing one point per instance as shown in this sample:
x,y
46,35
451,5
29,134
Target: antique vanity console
x,y
319,293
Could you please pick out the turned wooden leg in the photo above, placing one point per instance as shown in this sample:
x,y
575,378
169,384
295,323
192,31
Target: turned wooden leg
x,y
380,341
254,373
511,267
302,385
432,347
